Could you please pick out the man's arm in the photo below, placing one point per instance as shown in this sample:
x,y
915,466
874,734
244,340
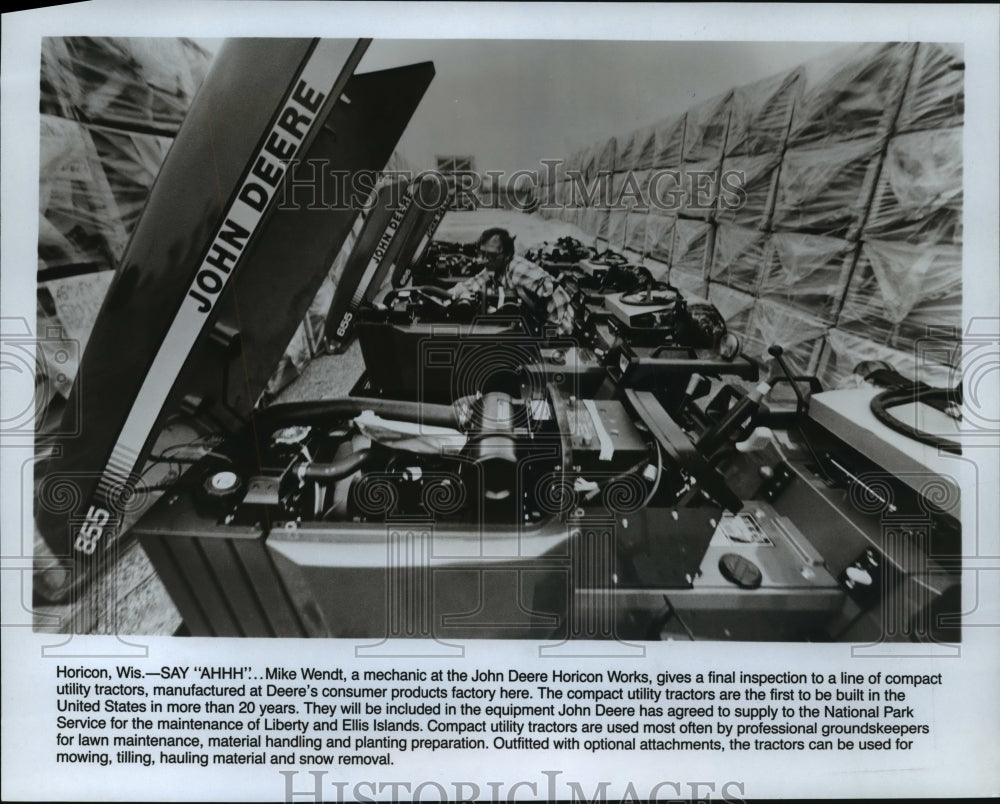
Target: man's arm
x,y
468,288
559,311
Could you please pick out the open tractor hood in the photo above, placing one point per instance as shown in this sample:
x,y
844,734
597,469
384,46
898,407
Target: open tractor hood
x,y
262,185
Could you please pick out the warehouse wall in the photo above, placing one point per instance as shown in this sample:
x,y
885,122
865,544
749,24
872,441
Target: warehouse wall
x,y
846,244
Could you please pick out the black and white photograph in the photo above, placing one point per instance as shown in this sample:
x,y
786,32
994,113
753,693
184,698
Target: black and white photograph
x,y
438,405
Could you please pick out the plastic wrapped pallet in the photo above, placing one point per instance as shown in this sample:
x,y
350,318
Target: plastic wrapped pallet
x,y
851,94
573,163
547,207
935,94
735,307
589,165
79,223
588,195
617,188
541,182
551,204
594,221
605,189
644,152
827,190
131,163
806,272
563,194
691,284
761,113
693,244
545,192
605,159
669,142
635,238
56,361
845,350
618,228
901,294
659,236
77,301
557,172
625,147
68,308
798,333
603,223
141,82
59,88
739,257
706,129
918,197
551,194
699,190
594,192
631,189
747,187
665,191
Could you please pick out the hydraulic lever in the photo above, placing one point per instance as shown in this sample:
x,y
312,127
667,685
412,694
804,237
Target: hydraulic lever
x,y
778,354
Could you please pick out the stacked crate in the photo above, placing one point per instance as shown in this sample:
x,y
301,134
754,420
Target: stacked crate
x,y
819,209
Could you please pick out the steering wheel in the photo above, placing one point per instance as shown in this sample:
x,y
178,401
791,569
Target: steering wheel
x,y
657,295
681,449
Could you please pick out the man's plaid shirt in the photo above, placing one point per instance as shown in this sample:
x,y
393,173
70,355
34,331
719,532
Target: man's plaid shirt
x,y
522,273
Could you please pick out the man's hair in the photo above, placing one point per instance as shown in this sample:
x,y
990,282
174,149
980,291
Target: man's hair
x,y
506,241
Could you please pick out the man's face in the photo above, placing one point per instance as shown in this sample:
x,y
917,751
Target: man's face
x,y
491,254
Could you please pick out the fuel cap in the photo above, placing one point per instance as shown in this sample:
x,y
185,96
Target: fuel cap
x,y
740,571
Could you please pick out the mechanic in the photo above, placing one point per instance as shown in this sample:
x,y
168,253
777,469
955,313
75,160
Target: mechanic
x,y
516,278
